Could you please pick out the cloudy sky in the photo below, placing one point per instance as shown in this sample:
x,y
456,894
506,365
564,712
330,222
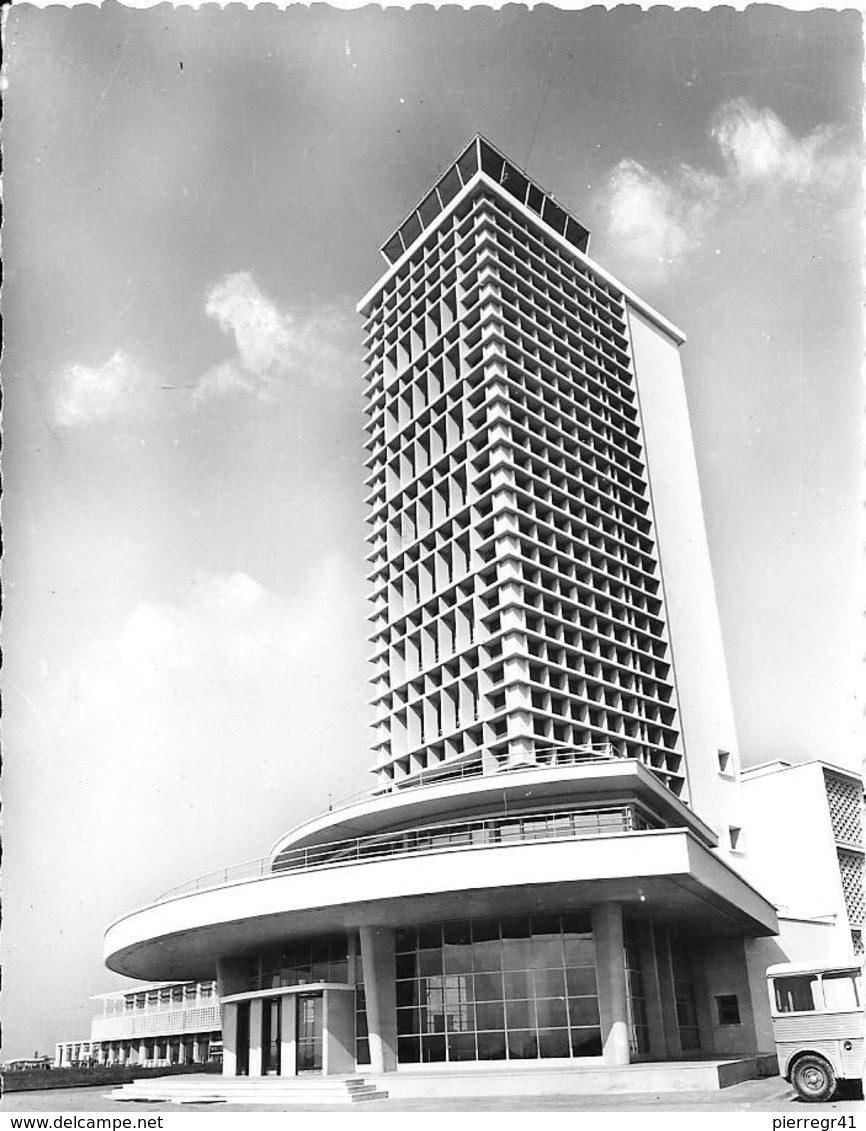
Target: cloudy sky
x,y
195,201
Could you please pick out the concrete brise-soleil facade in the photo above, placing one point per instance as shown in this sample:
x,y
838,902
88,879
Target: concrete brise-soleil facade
x,y
550,870
157,1025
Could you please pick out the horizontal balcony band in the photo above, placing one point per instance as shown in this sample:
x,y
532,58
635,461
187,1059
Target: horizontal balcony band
x,y
666,874
410,842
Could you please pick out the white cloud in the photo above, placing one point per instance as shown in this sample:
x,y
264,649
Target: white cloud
x,y
227,377
654,223
271,346
87,395
227,632
231,692
224,624
758,149
263,336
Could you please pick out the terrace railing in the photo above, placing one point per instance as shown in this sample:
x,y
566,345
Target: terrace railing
x,y
551,757
487,832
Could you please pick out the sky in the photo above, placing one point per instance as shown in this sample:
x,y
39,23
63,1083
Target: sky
x,y
194,205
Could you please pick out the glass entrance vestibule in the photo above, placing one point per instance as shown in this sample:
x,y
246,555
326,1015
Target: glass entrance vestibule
x,y
290,1031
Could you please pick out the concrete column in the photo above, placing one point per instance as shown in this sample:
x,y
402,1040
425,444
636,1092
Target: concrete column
x,y
612,990
652,991
142,1052
339,1033
703,1005
232,977
288,1035
256,1037
673,1048
379,965
230,1038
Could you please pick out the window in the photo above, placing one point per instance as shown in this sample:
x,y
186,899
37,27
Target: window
x,y
726,763
841,990
735,836
796,994
728,1009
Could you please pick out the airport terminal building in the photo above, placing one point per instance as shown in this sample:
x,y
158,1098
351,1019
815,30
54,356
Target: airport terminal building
x,y
552,867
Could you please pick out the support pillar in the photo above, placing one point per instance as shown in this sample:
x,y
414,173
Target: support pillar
x,y
230,1038
256,1037
142,1052
667,992
339,1032
379,965
232,977
612,989
649,961
703,1006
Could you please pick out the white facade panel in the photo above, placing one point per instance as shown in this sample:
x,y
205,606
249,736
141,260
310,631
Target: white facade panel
x,y
700,670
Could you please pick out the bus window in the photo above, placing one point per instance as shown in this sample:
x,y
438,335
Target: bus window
x,y
840,990
796,994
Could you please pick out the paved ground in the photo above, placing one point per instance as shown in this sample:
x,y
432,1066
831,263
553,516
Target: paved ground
x,y
754,1095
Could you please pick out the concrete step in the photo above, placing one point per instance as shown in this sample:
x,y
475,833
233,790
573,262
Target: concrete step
x,y
704,1075
259,1091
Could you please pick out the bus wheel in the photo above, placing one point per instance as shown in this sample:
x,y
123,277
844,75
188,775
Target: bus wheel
x,y
813,1079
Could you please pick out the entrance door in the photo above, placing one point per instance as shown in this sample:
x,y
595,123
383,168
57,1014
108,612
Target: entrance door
x,y
310,1032
271,1036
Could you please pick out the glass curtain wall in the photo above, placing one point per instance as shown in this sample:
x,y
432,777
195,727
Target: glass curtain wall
x,y
489,989
316,960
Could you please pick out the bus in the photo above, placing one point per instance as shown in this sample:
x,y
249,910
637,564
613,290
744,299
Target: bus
x,y
817,1013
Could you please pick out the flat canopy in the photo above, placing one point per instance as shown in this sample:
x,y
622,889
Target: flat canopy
x,y
664,874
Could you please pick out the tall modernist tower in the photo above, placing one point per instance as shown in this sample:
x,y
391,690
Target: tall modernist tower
x,y
519,587
549,866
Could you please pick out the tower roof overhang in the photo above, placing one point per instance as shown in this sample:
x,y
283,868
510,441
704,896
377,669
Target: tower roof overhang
x,y
568,233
